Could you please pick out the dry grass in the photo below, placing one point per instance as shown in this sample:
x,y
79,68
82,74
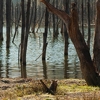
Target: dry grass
x,y
69,89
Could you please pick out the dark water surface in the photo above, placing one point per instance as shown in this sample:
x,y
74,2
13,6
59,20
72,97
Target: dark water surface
x,y
55,67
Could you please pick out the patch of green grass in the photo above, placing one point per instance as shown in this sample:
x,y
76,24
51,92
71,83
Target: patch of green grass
x,y
74,88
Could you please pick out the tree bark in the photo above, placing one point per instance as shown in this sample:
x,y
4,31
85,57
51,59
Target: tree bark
x,y
71,22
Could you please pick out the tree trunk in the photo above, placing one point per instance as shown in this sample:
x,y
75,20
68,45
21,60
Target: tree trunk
x,y
8,22
96,50
1,20
89,29
45,35
35,12
82,18
53,18
87,66
66,8
23,28
26,33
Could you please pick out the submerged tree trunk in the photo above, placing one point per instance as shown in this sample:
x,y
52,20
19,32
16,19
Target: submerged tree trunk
x,y
23,29
1,20
45,35
26,33
87,65
8,22
66,7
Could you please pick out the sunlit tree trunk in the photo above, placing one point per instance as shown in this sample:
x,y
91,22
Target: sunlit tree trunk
x,y
8,22
1,20
87,66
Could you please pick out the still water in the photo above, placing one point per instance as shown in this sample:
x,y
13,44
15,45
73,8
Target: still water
x,y
55,67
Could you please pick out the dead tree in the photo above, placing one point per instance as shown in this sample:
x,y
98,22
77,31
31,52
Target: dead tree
x,y
88,66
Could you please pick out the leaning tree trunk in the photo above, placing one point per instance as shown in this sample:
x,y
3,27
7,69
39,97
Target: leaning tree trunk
x,y
87,66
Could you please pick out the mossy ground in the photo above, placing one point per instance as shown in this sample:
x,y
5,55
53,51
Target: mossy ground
x,y
68,89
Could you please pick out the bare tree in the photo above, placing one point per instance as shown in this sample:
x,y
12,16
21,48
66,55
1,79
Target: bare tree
x,y
88,66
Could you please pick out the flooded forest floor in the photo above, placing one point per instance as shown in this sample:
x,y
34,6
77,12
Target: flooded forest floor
x,y
30,89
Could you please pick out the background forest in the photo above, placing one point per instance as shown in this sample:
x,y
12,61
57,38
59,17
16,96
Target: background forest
x,y
33,42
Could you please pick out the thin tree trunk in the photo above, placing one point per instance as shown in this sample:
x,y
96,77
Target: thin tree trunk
x,y
35,12
57,32
8,22
45,35
66,6
26,33
1,20
87,66
89,29
53,18
16,28
23,28
82,19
